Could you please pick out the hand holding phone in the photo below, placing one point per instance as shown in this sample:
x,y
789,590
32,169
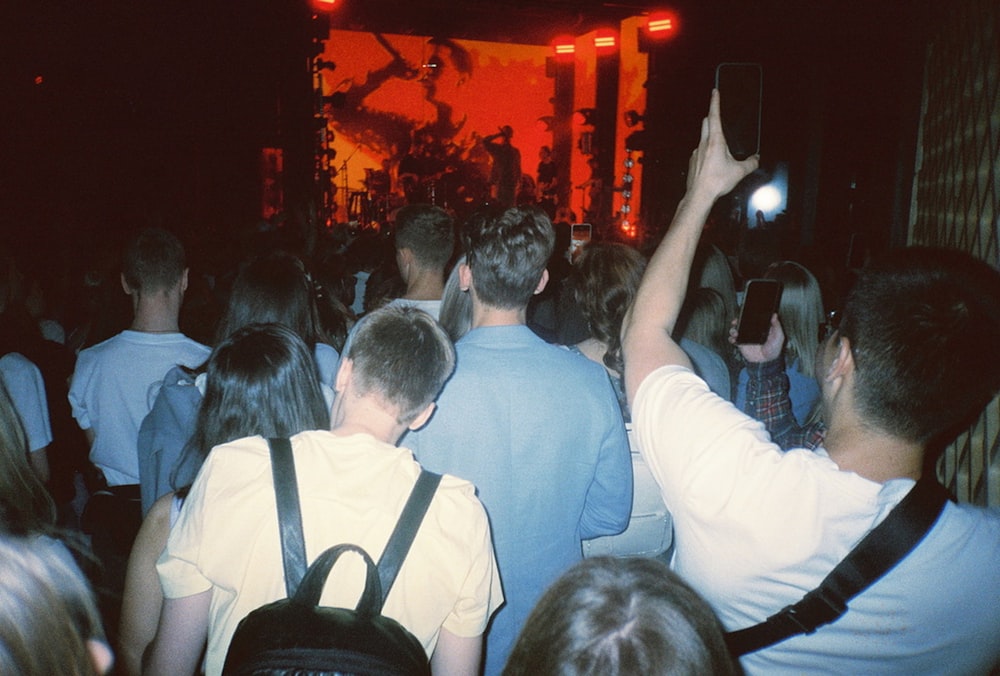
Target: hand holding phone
x,y
759,302
740,88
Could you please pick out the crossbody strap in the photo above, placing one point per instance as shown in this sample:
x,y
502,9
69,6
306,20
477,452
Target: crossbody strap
x,y
286,493
877,553
406,530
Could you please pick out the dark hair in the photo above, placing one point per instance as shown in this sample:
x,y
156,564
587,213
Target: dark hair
x,y
428,231
403,355
275,288
618,616
153,261
703,320
507,253
605,280
924,325
261,380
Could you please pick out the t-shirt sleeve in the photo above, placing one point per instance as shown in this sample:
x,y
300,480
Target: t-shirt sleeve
x,y
699,447
27,392
480,593
79,390
177,567
609,498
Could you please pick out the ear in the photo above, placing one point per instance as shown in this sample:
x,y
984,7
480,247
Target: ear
x,y
464,277
344,375
542,282
843,361
100,655
125,287
422,417
184,281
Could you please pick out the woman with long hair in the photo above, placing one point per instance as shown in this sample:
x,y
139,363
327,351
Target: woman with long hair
x,y
261,381
802,317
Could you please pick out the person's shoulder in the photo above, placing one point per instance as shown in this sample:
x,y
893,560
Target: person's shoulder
x,y
457,497
16,365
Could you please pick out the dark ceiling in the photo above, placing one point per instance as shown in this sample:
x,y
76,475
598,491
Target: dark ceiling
x,y
522,21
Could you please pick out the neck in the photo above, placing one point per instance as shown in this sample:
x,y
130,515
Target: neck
x,y
425,285
155,313
365,415
872,454
486,315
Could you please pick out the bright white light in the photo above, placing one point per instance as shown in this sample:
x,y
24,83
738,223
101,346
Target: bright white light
x,y
767,199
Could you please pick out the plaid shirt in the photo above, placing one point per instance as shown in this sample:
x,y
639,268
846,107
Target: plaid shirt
x,y
768,401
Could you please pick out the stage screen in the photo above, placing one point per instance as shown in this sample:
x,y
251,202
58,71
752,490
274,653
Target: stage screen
x,y
388,97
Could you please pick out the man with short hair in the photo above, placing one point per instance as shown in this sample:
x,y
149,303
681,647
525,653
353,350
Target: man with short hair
x,y
353,482
534,426
115,381
756,528
425,241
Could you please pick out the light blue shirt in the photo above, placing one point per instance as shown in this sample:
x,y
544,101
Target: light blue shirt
x,y
537,429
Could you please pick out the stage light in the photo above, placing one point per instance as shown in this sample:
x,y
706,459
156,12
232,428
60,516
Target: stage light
x,y
662,25
323,5
605,39
564,46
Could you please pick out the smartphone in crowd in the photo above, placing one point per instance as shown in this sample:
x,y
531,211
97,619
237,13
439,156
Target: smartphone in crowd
x,y
579,237
759,302
741,87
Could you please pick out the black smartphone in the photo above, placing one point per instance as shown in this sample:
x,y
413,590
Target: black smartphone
x,y
741,87
759,302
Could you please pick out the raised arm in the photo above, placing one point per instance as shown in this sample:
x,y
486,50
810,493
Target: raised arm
x,y
647,327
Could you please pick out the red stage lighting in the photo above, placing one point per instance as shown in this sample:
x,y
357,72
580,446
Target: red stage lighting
x,y
662,25
323,5
605,39
564,46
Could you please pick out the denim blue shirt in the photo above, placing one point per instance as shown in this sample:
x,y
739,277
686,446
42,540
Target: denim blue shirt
x,y
537,429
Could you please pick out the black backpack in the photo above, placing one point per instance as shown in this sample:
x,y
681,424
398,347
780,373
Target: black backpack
x,y
298,636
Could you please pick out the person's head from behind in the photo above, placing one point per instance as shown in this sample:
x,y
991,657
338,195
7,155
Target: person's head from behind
x,y
261,380
275,288
507,253
922,327
153,262
800,311
605,280
49,622
26,507
711,269
425,237
401,357
704,319
620,616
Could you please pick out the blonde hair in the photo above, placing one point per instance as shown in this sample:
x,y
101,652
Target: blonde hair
x,y
25,505
47,613
800,311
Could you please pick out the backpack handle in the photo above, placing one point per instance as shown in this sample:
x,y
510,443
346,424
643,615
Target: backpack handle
x,y
311,588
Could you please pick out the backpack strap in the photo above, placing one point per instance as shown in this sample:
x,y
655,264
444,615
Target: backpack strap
x,y
286,493
406,530
877,553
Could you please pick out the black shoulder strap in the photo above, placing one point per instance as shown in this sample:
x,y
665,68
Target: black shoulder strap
x,y
286,493
406,530
876,554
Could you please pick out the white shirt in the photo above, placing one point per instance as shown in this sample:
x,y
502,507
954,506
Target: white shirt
x,y
27,392
756,529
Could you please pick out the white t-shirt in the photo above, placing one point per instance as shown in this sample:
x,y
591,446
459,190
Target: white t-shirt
x,y
27,392
351,490
110,393
756,529
431,307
